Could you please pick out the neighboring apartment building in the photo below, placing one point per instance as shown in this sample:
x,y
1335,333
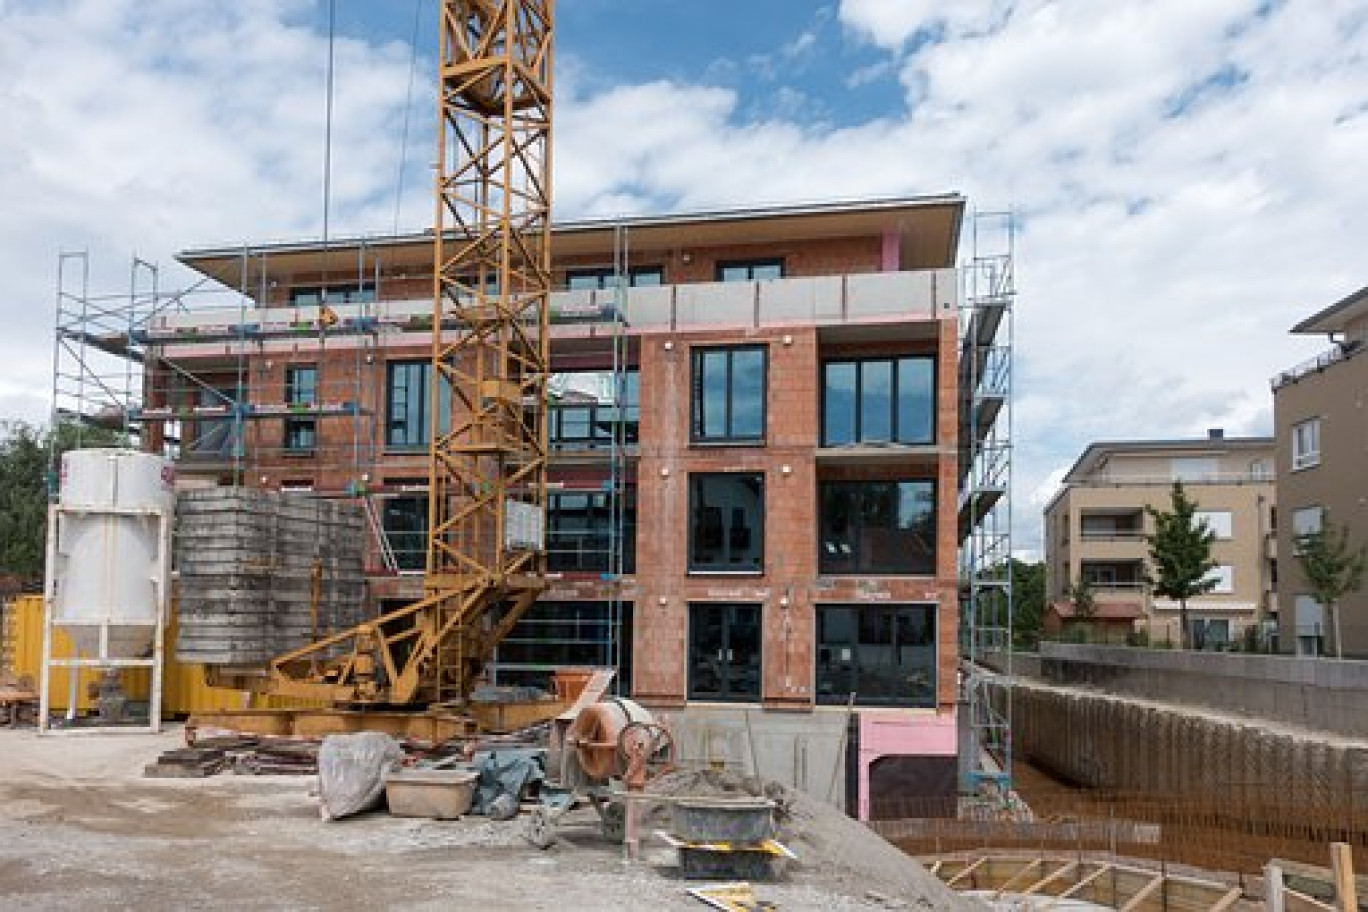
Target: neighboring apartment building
x,y
1320,416
770,408
1095,530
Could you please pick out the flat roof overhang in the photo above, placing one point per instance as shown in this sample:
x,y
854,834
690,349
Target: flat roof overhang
x,y
1337,316
928,229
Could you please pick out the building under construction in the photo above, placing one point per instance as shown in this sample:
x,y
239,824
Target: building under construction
x,y
768,432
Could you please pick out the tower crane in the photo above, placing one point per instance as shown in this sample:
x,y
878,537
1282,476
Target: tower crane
x,y
490,349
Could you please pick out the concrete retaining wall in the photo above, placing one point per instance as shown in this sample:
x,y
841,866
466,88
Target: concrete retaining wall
x,y
804,751
1117,743
1313,693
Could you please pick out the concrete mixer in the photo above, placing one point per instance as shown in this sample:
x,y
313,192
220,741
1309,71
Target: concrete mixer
x,y
599,752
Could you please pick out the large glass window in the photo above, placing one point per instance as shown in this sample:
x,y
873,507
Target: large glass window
x,y
407,391
879,400
404,519
750,270
877,527
728,402
579,526
727,522
724,652
555,634
587,408
883,654
606,277
301,395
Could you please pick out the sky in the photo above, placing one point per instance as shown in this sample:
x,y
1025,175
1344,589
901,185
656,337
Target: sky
x,y
1188,178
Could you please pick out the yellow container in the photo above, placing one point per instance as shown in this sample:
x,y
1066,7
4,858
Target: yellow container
x,y
184,691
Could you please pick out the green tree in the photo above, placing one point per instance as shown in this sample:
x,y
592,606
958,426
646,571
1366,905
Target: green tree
x,y
1333,568
1083,598
26,457
1028,602
1180,552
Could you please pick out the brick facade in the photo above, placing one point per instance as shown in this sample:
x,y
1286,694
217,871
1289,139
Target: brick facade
x,y
351,453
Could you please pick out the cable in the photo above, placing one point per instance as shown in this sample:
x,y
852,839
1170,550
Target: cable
x,y
327,132
408,110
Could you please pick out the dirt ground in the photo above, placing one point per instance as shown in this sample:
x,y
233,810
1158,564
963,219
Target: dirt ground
x,y
81,829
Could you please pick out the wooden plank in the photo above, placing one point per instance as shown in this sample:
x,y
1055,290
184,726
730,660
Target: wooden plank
x,y
1024,869
1274,889
1144,893
1066,869
1342,860
969,870
1227,901
1103,869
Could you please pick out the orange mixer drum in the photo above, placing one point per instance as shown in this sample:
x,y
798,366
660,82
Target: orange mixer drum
x,y
594,735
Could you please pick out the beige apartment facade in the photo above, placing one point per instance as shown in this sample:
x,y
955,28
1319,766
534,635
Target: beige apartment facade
x,y
1096,528
1320,411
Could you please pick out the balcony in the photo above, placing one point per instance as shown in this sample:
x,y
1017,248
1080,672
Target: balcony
x,y
1341,352
1114,576
1112,526
850,300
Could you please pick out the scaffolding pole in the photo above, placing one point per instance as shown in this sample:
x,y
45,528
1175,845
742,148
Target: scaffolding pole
x,y
986,368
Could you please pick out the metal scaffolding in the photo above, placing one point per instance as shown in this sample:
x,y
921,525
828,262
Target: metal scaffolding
x,y
186,373
986,508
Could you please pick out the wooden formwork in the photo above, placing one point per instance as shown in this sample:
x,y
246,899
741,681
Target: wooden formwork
x,y
1105,882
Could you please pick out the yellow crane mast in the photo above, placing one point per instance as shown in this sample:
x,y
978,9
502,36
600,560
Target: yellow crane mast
x,y
490,358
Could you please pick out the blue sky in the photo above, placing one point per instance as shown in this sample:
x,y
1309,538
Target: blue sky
x,y
1187,173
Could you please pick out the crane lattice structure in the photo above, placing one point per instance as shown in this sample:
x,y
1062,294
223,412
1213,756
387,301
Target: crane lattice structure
x,y
490,355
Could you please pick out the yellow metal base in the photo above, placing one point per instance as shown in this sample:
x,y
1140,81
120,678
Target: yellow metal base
x,y
432,727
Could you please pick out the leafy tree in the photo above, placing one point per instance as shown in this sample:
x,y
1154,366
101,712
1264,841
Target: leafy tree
x,y
1028,598
1333,568
1084,600
25,462
1180,551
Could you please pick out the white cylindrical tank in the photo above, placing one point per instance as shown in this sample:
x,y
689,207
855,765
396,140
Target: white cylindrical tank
x,y
110,564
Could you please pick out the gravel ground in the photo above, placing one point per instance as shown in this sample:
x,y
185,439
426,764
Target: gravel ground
x,y
81,829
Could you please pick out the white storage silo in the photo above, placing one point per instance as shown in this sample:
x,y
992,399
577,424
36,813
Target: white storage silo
x,y
109,560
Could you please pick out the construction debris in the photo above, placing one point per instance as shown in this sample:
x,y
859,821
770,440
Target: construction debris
x,y
187,763
18,701
731,897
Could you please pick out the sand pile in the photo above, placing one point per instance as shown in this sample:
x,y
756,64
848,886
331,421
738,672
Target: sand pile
x,y
834,851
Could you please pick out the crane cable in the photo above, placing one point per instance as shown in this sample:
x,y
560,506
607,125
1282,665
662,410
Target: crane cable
x,y
408,110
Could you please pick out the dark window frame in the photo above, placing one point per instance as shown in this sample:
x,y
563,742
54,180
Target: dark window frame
x,y
398,435
602,421
841,549
721,662
300,434
723,267
604,276
593,559
867,617
895,432
727,528
411,552
698,355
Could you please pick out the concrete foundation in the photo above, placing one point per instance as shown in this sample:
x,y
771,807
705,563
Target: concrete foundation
x,y
824,755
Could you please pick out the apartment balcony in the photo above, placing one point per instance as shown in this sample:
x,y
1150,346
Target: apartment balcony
x,y
844,306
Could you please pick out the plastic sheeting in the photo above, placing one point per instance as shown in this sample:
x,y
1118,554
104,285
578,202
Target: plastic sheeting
x,y
506,772
351,772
